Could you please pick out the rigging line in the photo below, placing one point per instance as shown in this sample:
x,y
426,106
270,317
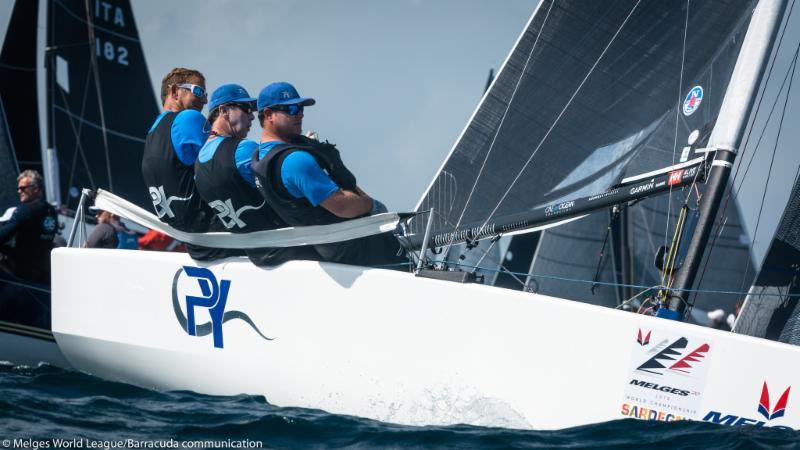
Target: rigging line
x,y
561,114
486,253
498,263
78,150
500,126
761,96
769,172
636,286
734,191
78,145
96,71
677,120
769,116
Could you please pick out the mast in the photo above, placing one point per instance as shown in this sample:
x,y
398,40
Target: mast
x,y
724,141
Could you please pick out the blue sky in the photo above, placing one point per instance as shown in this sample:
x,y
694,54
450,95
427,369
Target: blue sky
x,y
395,82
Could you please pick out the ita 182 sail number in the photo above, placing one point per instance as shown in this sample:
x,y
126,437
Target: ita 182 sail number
x,y
111,52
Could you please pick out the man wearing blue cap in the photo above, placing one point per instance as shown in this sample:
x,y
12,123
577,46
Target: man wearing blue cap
x,y
224,178
170,151
306,183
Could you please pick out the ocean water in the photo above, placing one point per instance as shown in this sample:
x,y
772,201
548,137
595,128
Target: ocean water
x,y
48,407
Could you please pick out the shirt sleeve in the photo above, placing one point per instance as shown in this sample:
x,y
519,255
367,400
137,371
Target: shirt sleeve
x,y
9,229
188,135
244,158
303,177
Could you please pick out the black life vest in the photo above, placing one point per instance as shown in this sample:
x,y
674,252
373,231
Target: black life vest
x,y
371,250
37,227
299,211
171,182
238,206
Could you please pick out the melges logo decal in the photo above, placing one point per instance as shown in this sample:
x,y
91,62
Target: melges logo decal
x,y
778,410
214,297
643,341
667,375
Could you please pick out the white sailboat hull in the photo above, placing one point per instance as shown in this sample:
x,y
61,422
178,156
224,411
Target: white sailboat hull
x,y
390,346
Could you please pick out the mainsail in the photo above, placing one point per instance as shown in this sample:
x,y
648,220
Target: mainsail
x,y
592,93
588,96
100,96
18,84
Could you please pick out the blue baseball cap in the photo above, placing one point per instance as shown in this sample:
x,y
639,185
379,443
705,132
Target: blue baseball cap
x,y
281,93
229,93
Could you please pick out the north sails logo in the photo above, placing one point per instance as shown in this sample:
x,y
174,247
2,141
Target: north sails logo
x,y
663,360
162,203
693,100
214,297
230,216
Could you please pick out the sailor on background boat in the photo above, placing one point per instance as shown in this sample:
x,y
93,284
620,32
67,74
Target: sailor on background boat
x,y
33,226
306,182
170,151
224,178
110,232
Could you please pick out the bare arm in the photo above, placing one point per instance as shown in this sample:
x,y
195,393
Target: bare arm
x,y
348,204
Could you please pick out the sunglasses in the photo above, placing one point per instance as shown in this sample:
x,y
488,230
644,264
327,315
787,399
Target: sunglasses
x,y
246,108
25,187
198,91
291,110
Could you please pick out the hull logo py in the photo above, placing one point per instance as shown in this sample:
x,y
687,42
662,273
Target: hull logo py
x,y
214,297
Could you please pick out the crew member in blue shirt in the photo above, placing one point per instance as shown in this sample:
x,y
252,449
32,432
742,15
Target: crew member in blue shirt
x,y
224,178
306,182
171,148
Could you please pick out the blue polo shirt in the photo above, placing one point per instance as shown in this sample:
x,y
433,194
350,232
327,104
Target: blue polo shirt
x,y
243,156
187,134
302,176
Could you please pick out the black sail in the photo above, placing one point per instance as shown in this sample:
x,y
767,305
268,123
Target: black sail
x,y
771,309
18,84
8,165
102,101
588,89
592,93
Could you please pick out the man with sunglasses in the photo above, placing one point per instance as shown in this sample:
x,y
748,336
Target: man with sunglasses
x,y
33,225
223,175
170,151
306,183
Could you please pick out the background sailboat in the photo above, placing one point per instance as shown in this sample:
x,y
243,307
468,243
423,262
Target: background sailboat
x,y
99,104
